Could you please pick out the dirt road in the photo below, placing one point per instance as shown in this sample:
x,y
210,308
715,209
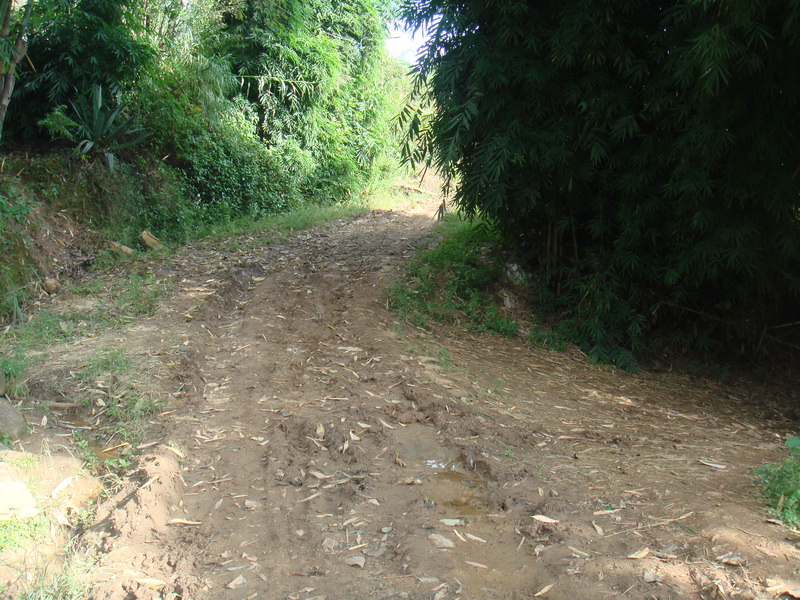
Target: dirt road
x,y
319,449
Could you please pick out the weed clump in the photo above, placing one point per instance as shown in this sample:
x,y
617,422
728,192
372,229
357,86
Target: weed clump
x,y
780,485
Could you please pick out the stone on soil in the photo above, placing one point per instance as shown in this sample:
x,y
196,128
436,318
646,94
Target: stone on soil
x,y
16,499
12,423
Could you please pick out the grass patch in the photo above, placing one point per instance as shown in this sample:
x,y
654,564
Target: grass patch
x,y
19,533
780,484
125,299
12,369
71,582
780,488
107,362
123,405
453,281
25,462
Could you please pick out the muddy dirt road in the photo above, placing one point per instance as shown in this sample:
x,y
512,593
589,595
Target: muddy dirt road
x,y
319,449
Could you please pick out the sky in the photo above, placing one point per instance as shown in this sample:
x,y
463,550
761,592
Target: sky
x,y
402,45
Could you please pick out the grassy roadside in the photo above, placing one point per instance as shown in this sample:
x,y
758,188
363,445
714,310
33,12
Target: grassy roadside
x,y
456,281
126,288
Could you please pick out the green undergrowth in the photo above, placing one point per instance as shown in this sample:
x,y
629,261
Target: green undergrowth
x,y
780,485
16,266
121,300
70,582
18,533
453,282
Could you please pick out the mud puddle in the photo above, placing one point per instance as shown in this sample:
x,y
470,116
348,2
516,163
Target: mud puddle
x,y
447,481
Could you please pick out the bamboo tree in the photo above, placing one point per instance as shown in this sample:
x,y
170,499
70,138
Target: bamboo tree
x,y
12,53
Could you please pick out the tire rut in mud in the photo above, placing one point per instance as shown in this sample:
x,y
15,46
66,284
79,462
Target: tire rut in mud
x,y
318,442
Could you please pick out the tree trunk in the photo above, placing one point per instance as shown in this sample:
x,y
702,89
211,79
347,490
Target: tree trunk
x,y
8,77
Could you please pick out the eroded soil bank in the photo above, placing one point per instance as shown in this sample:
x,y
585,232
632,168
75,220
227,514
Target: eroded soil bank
x,y
319,449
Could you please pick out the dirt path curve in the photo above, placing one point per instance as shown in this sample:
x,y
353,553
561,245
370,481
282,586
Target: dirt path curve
x,y
323,451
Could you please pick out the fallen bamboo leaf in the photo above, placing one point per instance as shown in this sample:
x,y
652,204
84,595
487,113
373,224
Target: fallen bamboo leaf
x,y
151,582
712,464
597,528
320,475
544,519
733,559
183,522
122,445
385,424
459,536
650,576
578,552
354,437
320,431
237,583
640,553
475,564
296,595
364,425
611,511
409,481
358,546
311,497
61,486
475,538
451,522
155,478
544,590
175,451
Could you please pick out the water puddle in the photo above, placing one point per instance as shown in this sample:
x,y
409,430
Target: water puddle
x,y
447,483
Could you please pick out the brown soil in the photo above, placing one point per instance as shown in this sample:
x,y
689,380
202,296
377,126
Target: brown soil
x,y
319,449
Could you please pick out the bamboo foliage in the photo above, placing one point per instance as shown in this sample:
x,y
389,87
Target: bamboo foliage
x,y
656,141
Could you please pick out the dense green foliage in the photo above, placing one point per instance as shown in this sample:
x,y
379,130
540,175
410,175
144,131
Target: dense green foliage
x,y
643,156
74,45
247,107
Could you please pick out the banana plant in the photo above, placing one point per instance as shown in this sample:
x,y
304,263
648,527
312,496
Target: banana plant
x,y
100,130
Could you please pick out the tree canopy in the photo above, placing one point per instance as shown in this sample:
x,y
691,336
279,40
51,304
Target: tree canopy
x,y
642,155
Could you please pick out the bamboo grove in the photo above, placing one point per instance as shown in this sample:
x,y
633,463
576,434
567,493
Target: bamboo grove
x,y
643,156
